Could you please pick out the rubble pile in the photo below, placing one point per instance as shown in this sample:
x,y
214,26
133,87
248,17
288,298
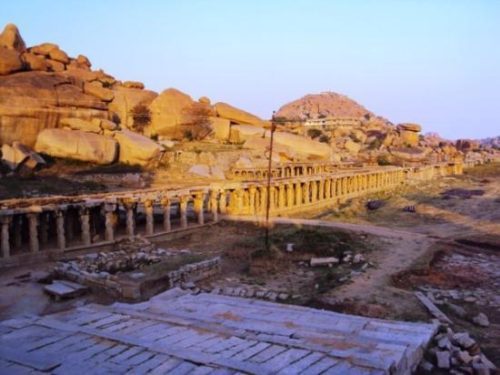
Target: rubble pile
x,y
457,353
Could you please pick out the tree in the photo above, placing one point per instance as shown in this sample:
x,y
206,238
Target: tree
x,y
198,126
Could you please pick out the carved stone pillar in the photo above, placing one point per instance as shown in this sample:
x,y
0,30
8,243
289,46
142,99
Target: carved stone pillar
x,y
165,204
223,202
5,222
328,187
272,198
281,196
85,223
198,207
214,205
183,204
289,195
33,232
61,237
263,199
109,221
252,200
314,191
150,219
321,192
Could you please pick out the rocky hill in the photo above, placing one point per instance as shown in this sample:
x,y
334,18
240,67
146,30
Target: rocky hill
x,y
325,104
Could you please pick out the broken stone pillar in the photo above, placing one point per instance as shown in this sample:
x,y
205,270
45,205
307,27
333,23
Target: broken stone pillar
x,y
149,211
130,207
167,225
5,222
109,221
198,207
33,232
85,223
183,204
61,238
214,205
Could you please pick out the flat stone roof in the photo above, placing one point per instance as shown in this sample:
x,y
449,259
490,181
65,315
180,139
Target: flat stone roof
x,y
177,332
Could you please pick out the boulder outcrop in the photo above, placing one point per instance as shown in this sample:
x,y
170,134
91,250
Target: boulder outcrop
x,y
10,61
237,115
96,89
77,144
19,155
168,111
241,133
409,133
126,99
10,38
136,149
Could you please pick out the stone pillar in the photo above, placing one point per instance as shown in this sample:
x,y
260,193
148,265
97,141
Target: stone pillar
x,y
272,198
321,189
183,204
61,237
214,205
252,201
109,218
298,193
5,222
150,219
306,193
281,196
167,225
198,207
130,207
263,199
85,223
289,195
314,191
33,229
18,231
223,202
43,228
328,188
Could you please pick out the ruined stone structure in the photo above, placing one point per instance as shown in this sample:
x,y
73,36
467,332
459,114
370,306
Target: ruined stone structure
x,y
50,226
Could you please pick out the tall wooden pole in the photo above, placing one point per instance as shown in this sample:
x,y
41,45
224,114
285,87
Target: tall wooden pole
x,y
269,168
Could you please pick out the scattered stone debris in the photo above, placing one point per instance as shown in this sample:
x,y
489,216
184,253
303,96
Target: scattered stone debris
x,y
63,289
456,352
433,309
326,261
481,320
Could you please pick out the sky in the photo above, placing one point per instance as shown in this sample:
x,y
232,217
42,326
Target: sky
x,y
433,62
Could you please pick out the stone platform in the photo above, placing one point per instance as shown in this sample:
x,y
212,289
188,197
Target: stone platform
x,y
180,333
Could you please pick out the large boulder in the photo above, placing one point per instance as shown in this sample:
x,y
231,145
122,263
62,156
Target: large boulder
x,y
169,111
281,153
237,115
126,99
96,89
10,61
304,147
43,49
59,55
409,133
241,133
77,144
221,128
33,101
136,148
84,125
10,38
35,62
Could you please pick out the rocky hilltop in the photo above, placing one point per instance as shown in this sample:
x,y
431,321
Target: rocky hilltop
x,y
323,105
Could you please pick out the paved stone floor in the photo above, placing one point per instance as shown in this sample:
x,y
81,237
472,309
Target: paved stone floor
x,y
180,333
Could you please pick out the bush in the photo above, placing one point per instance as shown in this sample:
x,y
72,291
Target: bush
x,y
141,116
383,160
324,138
314,133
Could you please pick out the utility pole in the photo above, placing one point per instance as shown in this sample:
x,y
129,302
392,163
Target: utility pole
x,y
269,168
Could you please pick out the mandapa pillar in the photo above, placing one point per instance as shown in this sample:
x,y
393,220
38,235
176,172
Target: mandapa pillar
x,y
150,219
33,232
198,207
165,204
214,205
109,221
85,223
61,236
183,204
5,222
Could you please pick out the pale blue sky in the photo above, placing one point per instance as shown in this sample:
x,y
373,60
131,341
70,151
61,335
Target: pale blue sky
x,y
433,62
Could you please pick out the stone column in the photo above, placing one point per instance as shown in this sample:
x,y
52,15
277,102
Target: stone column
x,y
281,196
328,188
263,199
33,229
130,207
252,201
214,205
198,207
306,193
167,225
61,237
223,202
289,195
5,222
183,204
321,189
18,231
314,191
109,218
150,219
298,193
272,196
85,223
43,228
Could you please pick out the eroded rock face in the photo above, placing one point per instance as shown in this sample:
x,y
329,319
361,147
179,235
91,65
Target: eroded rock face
x,y
125,99
10,61
136,148
237,115
77,144
168,111
33,101
410,133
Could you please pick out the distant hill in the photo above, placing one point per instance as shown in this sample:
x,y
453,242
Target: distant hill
x,y
491,142
325,104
